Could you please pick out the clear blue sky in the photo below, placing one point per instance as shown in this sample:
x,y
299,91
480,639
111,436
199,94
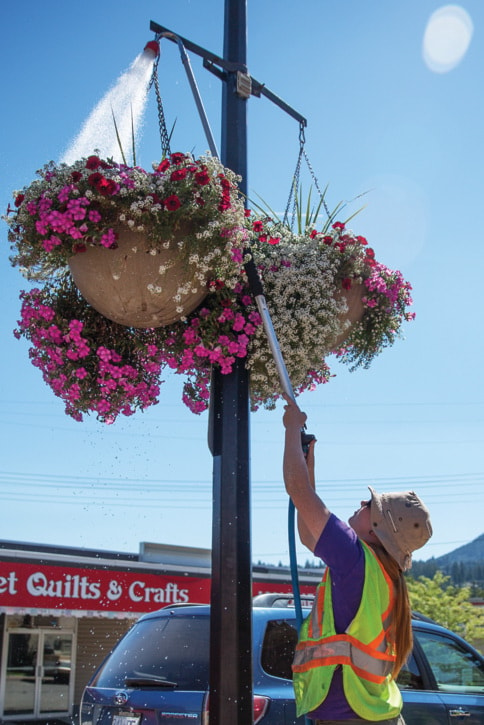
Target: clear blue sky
x,y
381,120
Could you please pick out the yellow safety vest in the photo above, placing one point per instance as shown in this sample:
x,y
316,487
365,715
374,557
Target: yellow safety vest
x,y
363,651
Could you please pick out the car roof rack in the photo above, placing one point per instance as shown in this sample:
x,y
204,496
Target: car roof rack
x,y
280,599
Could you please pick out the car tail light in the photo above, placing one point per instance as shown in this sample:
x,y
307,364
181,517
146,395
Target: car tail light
x,y
261,704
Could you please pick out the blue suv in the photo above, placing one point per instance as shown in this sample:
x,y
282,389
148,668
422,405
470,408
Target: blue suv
x,y
158,672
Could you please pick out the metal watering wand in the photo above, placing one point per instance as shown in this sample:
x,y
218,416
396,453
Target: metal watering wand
x,y
257,290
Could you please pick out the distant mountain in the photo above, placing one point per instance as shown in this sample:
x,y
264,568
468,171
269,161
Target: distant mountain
x,y
464,565
469,553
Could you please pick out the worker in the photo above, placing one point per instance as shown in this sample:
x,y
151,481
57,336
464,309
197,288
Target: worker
x,y
358,635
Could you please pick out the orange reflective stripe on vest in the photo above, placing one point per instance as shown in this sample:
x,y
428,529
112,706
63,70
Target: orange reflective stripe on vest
x,y
372,664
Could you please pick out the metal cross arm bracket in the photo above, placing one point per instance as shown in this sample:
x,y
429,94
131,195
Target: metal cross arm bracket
x,y
259,89
197,49
246,84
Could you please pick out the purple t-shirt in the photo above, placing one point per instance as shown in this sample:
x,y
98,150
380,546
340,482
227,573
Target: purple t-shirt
x,y
342,552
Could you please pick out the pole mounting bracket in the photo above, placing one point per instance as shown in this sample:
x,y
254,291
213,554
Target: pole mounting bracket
x,y
244,84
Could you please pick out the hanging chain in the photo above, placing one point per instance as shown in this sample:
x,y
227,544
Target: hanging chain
x,y
295,182
311,171
293,194
165,139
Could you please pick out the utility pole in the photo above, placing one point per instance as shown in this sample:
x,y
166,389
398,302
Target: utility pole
x,y
231,595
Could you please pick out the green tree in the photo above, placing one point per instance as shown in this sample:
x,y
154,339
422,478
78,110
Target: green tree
x,y
448,605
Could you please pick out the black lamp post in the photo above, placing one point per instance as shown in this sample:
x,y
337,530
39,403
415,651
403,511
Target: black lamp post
x,y
231,595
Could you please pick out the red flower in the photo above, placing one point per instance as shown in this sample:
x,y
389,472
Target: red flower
x,y
313,234
79,248
247,212
178,174
257,226
76,176
202,178
338,225
346,283
200,201
106,187
362,240
94,179
172,203
225,202
163,165
93,162
177,158
273,240
328,240
19,199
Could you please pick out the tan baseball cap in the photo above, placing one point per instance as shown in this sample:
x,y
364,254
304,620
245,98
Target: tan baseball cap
x,y
401,522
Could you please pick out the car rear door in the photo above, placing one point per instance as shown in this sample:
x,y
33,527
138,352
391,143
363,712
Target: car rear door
x,y
457,674
421,705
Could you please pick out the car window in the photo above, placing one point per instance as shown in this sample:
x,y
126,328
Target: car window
x,y
278,647
455,668
172,648
409,677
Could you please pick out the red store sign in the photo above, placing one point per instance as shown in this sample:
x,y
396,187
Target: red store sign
x,y
56,587
32,586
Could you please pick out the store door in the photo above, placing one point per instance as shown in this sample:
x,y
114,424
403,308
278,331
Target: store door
x,y
37,673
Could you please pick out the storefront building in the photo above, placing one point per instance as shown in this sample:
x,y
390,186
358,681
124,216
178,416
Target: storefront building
x,y
63,609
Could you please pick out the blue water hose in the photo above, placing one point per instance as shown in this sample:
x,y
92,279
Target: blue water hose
x,y
291,531
296,592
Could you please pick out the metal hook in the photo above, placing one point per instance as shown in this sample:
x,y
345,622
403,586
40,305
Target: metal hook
x,y
302,136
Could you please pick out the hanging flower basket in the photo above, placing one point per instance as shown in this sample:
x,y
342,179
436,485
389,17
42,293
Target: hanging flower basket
x,y
138,284
327,295
140,246
103,353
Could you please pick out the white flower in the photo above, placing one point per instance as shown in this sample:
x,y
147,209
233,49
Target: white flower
x,y
154,289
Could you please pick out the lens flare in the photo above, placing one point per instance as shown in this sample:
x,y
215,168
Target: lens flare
x,y
447,38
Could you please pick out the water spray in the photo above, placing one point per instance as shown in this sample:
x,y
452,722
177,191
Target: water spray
x,y
126,103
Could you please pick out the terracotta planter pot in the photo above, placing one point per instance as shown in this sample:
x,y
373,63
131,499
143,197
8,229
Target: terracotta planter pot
x,y
134,285
353,298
